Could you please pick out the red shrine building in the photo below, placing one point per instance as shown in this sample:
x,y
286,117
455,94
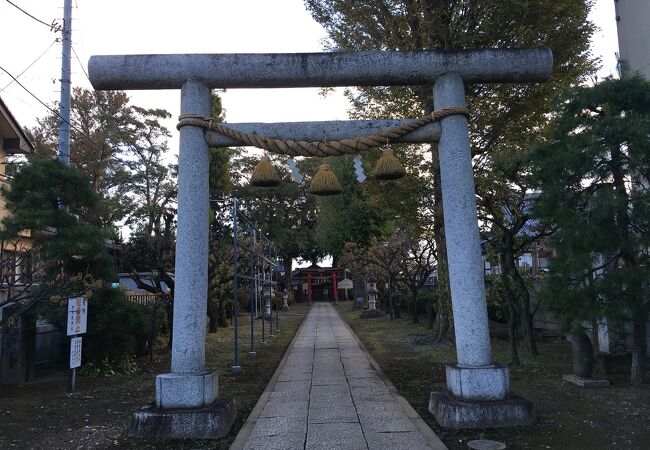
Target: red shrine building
x,y
315,283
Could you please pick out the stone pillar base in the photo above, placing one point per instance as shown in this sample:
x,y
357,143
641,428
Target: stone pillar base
x,y
449,412
210,422
478,383
186,390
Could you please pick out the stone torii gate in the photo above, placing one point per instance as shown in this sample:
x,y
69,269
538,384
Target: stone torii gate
x,y
477,393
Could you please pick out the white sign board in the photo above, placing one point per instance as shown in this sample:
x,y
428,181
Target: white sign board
x,y
75,352
345,283
77,315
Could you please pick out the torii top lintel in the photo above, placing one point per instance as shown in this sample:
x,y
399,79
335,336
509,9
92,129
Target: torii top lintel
x,y
282,70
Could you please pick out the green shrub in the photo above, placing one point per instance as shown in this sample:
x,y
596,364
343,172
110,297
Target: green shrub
x,y
496,300
427,300
117,328
105,368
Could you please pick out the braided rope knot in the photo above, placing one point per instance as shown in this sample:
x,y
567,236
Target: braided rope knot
x,y
318,148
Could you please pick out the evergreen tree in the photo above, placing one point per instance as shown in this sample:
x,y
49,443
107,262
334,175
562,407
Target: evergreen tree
x,y
349,217
220,255
57,204
594,174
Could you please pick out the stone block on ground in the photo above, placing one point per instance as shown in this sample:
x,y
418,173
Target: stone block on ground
x,y
585,382
209,422
372,314
449,412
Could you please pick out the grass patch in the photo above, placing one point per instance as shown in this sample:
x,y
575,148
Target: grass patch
x,y
43,415
569,417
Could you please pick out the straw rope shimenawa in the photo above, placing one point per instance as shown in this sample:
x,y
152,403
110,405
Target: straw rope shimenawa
x,y
318,148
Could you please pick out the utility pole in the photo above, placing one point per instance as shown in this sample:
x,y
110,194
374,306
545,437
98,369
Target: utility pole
x,y
64,130
64,105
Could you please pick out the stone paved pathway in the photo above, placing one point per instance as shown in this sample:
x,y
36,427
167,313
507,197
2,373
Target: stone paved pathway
x,y
327,395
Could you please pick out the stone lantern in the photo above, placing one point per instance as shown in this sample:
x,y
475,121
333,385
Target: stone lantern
x,y
372,293
285,300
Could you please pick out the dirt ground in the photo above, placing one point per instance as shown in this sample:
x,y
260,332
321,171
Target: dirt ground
x,y
569,417
42,415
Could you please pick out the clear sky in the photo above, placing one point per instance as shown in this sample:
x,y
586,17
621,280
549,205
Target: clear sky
x,y
191,26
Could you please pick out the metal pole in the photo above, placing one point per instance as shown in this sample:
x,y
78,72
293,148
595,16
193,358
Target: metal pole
x,y
262,301
253,299
72,373
270,297
390,299
72,387
64,105
277,306
235,368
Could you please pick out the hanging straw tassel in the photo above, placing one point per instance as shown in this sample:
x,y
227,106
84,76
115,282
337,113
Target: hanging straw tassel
x,y
325,182
388,167
265,174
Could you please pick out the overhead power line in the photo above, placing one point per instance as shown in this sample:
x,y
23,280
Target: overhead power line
x,y
52,26
80,63
87,137
33,62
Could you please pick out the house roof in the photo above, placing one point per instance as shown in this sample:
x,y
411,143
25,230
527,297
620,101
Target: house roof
x,y
316,268
531,227
13,138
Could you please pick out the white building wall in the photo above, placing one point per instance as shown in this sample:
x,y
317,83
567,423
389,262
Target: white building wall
x,y
633,24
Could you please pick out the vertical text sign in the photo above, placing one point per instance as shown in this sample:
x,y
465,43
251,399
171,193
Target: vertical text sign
x,y
75,352
77,315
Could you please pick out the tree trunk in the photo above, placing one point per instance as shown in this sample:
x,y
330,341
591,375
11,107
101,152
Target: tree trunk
x,y
513,317
288,267
512,335
441,325
431,316
169,309
509,269
524,310
639,343
628,255
222,320
213,318
152,330
444,316
415,316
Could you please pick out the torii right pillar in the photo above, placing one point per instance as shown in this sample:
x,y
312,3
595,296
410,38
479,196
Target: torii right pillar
x,y
478,391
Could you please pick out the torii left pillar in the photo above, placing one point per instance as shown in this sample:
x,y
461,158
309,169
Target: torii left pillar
x,y
186,398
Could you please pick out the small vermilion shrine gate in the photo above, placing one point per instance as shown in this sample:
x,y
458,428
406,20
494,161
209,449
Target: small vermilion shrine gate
x,y
316,283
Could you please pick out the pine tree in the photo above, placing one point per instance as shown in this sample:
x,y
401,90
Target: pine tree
x,y
594,174
57,204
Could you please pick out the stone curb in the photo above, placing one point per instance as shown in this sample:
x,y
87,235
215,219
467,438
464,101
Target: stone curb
x,y
432,438
249,424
